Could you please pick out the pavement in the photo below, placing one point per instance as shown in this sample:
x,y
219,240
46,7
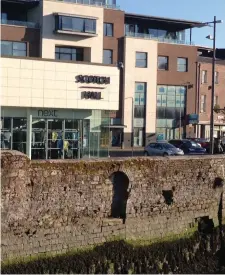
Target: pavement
x,y
127,152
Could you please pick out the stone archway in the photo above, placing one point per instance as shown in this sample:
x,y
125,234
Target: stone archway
x,y
121,193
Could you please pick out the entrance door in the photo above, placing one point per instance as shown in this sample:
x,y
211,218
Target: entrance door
x,y
55,139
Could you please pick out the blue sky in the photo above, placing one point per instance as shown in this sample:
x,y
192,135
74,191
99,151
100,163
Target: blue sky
x,y
197,10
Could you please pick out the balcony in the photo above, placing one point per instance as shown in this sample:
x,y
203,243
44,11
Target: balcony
x,y
20,23
92,3
159,39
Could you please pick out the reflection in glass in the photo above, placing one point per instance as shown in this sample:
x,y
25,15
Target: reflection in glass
x,y
19,134
6,134
38,139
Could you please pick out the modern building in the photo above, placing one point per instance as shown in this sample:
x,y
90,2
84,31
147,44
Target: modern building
x,y
81,75
204,92
56,92
160,75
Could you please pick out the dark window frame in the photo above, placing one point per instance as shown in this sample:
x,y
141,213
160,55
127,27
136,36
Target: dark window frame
x,y
69,51
105,30
167,63
145,60
111,57
73,25
13,48
185,66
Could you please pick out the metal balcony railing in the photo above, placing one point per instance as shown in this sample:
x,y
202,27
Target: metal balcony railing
x,y
92,3
160,39
20,23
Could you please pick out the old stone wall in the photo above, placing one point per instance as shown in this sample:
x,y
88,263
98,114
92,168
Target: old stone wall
x,y
56,206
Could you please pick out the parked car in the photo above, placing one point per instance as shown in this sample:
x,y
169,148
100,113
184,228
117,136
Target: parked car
x,y
188,146
162,149
205,143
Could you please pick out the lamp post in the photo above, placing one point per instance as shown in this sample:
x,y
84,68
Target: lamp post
x,y
214,22
132,124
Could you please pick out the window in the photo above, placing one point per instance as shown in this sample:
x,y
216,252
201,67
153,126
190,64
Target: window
x,y
216,77
140,100
182,64
13,48
75,24
204,76
69,53
163,63
215,100
141,60
107,56
203,103
108,29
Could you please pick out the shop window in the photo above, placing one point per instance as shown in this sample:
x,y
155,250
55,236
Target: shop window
x,y
182,64
163,63
69,53
107,56
6,133
108,29
19,139
141,59
13,48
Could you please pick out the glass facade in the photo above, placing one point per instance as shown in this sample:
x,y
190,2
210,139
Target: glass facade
x,y
139,113
146,31
171,109
13,48
58,138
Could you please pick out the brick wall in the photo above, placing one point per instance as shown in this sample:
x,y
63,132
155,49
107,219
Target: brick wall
x,y
55,206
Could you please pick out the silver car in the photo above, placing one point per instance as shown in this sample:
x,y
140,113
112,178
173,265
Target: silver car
x,y
162,149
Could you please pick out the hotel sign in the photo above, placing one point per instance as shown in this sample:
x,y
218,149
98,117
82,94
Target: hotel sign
x,y
92,79
91,95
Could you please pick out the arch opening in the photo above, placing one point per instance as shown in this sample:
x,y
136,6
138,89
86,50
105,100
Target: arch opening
x,y
121,194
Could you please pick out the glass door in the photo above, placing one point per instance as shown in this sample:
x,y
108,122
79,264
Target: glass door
x,y
72,141
55,139
19,134
39,139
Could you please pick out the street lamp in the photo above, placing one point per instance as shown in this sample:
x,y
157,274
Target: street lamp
x,y
132,124
214,22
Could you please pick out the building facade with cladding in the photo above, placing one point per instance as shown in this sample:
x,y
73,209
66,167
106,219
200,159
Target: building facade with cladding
x,y
81,76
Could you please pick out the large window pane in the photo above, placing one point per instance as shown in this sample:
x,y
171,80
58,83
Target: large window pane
x,y
6,133
141,60
181,64
90,25
66,23
163,63
19,46
107,57
69,53
139,111
13,48
108,29
162,90
19,134
6,48
76,24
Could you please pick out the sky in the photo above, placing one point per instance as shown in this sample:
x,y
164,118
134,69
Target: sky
x,y
196,10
